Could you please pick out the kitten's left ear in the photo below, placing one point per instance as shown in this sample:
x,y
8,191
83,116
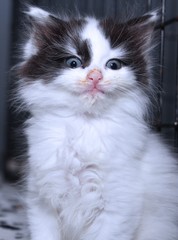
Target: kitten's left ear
x,y
143,27
148,19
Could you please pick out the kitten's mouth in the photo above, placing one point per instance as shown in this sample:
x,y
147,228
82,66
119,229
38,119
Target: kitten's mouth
x,y
94,90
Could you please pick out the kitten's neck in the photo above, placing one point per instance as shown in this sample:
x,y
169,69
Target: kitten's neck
x,y
124,109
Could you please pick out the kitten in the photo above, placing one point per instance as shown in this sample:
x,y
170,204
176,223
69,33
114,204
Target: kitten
x,y
96,170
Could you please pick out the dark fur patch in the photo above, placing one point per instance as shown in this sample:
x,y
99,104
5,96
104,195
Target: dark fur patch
x,y
51,39
132,37
83,50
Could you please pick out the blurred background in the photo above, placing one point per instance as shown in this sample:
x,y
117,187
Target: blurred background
x,y
12,141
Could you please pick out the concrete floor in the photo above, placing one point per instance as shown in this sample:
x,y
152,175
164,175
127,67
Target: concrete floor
x,y
12,215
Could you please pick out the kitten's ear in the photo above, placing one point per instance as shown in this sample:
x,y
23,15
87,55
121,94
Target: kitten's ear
x,y
148,19
37,16
40,27
143,28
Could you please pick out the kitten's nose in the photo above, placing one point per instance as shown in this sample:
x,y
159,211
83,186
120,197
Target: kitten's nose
x,y
95,75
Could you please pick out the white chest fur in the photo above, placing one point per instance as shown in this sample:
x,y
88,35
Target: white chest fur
x,y
94,173
82,166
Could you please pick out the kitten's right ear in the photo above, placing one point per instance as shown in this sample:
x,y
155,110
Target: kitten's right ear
x,y
40,22
37,15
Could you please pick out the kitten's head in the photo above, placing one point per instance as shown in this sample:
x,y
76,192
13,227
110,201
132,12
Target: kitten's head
x,y
83,64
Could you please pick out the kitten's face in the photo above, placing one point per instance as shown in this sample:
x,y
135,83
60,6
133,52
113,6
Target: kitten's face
x,y
84,64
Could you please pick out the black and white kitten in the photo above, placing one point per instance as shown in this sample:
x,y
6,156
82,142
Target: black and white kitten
x,y
96,171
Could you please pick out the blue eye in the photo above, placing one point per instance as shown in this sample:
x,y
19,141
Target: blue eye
x,y
74,62
114,64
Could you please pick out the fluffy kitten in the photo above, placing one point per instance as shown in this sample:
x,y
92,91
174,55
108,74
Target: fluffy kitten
x,y
96,171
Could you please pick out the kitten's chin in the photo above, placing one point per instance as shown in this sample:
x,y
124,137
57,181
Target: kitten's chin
x,y
93,102
93,96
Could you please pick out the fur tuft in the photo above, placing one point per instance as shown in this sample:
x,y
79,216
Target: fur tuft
x,y
37,14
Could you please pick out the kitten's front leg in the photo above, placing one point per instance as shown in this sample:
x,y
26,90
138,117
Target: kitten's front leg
x,y
43,222
111,226
47,193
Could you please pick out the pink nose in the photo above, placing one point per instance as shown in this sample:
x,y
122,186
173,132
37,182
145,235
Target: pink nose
x,y
94,75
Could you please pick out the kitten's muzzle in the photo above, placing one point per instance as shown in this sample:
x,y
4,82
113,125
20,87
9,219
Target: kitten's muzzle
x,y
95,76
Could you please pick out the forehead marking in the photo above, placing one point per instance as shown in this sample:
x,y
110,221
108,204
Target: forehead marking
x,y
96,39
100,45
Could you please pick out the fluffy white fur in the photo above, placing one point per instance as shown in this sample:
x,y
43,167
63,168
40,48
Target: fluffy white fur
x,y
96,172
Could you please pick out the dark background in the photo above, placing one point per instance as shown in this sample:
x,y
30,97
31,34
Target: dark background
x,y
12,142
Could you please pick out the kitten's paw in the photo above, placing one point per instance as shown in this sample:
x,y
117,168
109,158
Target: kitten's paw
x,y
56,186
